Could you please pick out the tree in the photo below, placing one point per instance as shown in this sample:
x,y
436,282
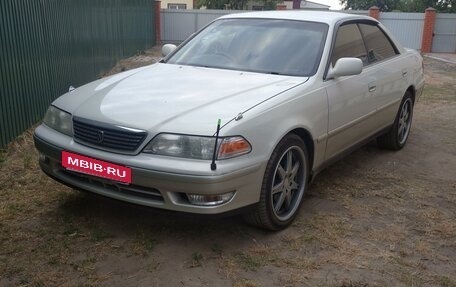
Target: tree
x,y
401,5
213,4
446,6
416,5
234,4
383,5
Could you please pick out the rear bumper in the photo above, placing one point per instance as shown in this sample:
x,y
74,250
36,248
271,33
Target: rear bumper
x,y
154,188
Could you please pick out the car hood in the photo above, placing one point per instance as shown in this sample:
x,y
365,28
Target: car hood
x,y
174,98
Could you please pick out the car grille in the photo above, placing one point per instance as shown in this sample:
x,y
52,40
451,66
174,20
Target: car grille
x,y
137,191
107,136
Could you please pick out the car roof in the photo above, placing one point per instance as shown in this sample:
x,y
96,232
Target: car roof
x,y
300,15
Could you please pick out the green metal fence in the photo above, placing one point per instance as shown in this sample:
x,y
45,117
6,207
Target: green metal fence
x,y
48,45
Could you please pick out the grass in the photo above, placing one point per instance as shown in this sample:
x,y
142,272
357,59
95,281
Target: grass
x,y
249,262
3,156
197,259
446,281
437,93
145,242
374,219
245,283
98,234
217,249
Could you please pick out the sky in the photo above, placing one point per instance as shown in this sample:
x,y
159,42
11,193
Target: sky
x,y
335,5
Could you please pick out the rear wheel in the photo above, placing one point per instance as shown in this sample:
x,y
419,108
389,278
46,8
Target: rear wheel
x,y
396,138
284,184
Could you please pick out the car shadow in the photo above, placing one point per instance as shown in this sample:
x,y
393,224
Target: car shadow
x,y
121,218
124,219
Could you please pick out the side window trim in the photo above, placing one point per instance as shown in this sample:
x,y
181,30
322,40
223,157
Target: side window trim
x,y
334,37
396,50
357,22
360,50
364,43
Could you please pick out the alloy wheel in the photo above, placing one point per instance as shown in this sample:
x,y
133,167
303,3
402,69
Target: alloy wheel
x,y
288,183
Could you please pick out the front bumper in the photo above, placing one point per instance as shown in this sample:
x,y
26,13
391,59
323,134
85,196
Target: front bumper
x,y
153,188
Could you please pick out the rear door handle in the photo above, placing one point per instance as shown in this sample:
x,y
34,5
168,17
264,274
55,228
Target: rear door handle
x,y
404,73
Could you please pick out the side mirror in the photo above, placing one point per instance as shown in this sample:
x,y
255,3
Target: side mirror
x,y
167,49
345,67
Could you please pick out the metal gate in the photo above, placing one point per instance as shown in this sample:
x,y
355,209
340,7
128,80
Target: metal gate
x,y
444,40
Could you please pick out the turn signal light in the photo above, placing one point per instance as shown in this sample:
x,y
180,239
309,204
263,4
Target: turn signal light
x,y
233,146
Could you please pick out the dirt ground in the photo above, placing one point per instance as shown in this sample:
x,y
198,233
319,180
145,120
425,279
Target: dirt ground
x,y
376,218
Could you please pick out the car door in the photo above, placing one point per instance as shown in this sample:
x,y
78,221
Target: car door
x,y
351,101
391,73
361,105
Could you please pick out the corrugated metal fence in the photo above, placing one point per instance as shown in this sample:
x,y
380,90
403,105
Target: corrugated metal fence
x,y
407,27
48,45
177,25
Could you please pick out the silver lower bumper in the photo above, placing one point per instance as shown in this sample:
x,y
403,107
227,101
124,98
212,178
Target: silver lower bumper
x,y
160,189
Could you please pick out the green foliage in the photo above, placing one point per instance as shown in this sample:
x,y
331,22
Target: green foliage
x,y
197,259
235,4
401,5
270,4
448,6
384,5
213,4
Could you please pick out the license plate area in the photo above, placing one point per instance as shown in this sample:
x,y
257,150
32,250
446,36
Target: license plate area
x,y
96,167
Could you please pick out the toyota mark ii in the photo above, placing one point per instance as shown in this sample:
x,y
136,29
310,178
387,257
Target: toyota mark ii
x,y
242,115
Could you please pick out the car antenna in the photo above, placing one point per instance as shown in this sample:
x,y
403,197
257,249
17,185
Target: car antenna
x,y
213,164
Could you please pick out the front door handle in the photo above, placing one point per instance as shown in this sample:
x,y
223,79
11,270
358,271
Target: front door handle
x,y
372,87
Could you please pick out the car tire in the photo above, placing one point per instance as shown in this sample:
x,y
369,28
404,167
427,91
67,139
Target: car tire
x,y
284,184
396,137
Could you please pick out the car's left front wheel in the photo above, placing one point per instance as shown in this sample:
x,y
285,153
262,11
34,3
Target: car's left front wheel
x,y
284,184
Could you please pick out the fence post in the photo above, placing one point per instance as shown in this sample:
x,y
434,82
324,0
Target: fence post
x,y
157,9
428,30
374,12
296,4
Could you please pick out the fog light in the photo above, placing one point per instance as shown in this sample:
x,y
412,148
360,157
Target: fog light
x,y
210,199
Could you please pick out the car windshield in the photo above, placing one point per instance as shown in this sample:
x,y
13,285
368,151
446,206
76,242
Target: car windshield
x,y
272,46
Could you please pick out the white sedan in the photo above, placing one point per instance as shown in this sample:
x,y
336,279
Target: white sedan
x,y
241,116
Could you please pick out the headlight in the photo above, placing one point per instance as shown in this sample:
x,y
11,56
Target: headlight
x,y
197,147
59,120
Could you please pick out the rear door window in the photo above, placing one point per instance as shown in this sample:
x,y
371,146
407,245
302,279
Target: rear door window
x,y
379,47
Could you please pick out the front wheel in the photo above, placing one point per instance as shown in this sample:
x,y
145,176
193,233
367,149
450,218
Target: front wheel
x,y
397,136
284,183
